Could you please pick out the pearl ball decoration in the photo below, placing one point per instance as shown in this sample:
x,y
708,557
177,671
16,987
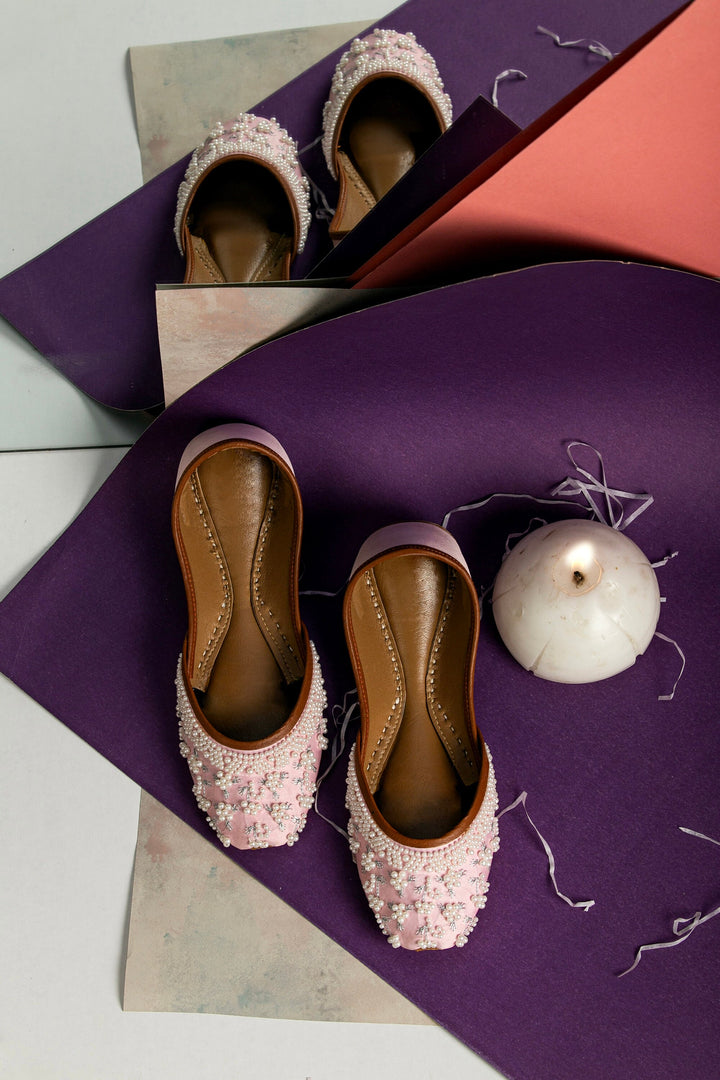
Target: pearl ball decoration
x,y
576,601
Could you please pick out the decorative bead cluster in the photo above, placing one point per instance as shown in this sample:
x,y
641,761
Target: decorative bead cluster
x,y
256,798
423,898
248,136
383,52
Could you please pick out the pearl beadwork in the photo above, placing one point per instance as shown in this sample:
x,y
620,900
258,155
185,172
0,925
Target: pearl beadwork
x,y
248,136
383,52
423,898
256,798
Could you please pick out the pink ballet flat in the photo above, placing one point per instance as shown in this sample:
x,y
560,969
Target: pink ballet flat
x,y
421,787
387,105
243,209
250,692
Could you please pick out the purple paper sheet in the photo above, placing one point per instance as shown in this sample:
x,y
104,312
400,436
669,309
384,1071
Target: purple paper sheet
x,y
473,137
404,411
94,318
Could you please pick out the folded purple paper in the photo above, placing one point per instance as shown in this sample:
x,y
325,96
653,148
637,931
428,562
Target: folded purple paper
x,y
402,412
87,304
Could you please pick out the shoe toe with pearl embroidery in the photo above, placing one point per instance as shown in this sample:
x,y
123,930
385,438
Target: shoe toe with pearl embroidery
x,y
387,105
243,208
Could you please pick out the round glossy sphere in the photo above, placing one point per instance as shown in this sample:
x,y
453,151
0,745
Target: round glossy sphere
x,y
576,601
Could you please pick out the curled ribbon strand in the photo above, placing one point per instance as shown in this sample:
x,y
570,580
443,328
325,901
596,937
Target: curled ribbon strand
x,y
586,904
342,715
614,512
681,932
323,210
671,641
502,495
595,47
585,485
509,73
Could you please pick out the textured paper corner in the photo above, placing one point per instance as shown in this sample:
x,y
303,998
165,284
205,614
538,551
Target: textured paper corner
x,y
182,89
206,937
202,328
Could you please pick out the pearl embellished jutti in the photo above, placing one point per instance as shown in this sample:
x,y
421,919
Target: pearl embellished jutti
x,y
423,898
421,787
381,53
245,141
387,105
256,798
250,693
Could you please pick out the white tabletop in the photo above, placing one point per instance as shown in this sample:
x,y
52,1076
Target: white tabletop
x,y
69,819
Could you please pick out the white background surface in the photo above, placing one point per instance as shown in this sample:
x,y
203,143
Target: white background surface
x,y
68,818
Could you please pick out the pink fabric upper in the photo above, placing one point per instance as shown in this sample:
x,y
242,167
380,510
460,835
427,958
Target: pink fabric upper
x,y
256,798
423,898
250,137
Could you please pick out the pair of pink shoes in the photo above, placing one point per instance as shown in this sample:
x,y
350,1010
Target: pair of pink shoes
x,y
243,209
251,702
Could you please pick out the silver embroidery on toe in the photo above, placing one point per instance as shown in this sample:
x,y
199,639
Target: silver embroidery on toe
x,y
249,136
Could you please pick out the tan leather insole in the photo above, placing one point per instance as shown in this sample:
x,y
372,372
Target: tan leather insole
x,y
242,215
388,126
253,686
420,793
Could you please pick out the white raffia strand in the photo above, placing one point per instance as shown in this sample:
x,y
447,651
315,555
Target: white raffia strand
x,y
664,562
341,715
595,47
310,145
671,641
523,532
585,904
509,73
323,592
323,210
586,485
700,835
502,495
682,933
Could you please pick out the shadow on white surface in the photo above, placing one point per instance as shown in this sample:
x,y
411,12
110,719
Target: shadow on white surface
x,y
40,409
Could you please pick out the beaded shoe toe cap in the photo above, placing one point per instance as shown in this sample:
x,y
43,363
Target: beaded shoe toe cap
x,y
423,898
256,798
254,137
382,52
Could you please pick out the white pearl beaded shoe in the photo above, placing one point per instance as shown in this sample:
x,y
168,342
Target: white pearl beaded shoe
x,y
387,105
421,787
243,209
251,699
